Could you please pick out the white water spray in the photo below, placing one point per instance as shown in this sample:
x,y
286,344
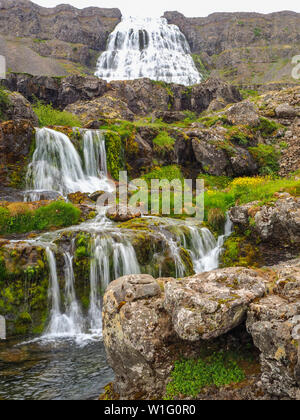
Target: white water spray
x,y
57,166
148,47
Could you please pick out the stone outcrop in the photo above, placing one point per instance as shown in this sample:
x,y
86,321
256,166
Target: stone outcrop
x,y
20,108
141,96
148,324
141,321
208,305
209,147
278,223
274,323
15,142
243,113
57,41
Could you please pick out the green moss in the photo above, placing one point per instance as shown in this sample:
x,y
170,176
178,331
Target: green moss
x,y
241,251
216,220
267,127
267,156
49,116
4,103
163,143
114,152
189,377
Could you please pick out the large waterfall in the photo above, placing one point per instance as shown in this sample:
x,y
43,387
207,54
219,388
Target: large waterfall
x,y
148,47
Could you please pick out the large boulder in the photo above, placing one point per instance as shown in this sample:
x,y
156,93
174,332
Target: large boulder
x,y
274,323
243,113
20,108
208,305
148,324
285,111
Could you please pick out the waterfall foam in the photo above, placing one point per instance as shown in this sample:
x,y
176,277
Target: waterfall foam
x,y
148,47
57,166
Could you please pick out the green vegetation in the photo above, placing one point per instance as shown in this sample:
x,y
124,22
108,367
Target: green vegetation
x,y
165,172
114,153
4,103
246,190
189,377
267,127
205,73
215,182
248,93
267,156
240,250
49,116
163,143
57,214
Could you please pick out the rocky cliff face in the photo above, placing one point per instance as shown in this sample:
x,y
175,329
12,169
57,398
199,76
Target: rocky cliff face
x,y
243,47
72,38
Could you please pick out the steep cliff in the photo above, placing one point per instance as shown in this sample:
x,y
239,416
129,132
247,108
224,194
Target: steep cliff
x,y
55,41
243,47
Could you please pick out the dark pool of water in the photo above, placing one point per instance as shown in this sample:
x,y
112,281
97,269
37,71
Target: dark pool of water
x,y
60,370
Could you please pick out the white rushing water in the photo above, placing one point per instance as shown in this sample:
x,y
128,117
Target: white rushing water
x,y
148,47
57,166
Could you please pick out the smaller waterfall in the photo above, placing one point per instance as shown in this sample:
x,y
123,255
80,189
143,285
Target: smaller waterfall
x,y
57,166
69,323
205,250
107,249
94,153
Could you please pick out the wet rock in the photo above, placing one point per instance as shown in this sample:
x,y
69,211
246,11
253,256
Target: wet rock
x,y
208,305
95,195
243,113
123,213
274,324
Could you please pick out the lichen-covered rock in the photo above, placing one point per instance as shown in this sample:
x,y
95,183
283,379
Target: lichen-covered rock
x,y
20,109
285,111
136,333
243,113
274,323
278,223
208,305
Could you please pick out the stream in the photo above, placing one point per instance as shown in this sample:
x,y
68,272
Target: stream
x,y
67,362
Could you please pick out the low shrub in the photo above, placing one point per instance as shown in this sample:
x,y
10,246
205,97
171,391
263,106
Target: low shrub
x,y
49,116
57,214
189,377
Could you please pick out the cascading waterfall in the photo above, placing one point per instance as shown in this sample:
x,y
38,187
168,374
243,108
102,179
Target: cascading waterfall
x,y
148,47
69,323
94,153
123,257
57,166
